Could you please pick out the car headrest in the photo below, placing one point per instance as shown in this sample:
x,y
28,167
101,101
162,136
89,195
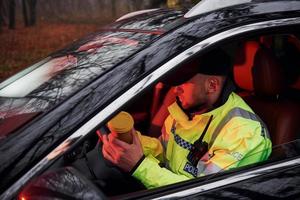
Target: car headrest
x,y
242,69
268,78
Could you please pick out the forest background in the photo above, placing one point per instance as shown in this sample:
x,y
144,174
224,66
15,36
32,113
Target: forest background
x,y
32,29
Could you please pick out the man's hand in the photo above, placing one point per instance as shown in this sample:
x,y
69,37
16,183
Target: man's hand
x,y
120,153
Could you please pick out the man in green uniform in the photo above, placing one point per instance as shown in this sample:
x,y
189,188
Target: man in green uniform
x,y
209,129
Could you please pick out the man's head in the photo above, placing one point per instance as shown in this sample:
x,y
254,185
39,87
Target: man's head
x,y
201,90
205,86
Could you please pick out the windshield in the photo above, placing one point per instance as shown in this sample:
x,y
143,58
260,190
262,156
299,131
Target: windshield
x,y
57,77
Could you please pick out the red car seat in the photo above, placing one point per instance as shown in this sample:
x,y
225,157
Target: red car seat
x,y
279,113
243,65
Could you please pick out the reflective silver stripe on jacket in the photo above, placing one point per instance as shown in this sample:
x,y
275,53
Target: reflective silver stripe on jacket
x,y
207,168
239,112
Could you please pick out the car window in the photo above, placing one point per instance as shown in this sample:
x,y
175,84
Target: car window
x,y
46,84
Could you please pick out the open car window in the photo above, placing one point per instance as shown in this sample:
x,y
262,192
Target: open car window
x,y
281,152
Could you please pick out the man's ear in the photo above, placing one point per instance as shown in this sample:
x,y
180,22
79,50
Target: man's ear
x,y
213,84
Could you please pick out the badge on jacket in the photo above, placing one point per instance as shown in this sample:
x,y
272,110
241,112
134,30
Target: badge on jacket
x,y
189,168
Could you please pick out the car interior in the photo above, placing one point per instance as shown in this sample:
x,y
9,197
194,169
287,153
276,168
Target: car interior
x,y
266,72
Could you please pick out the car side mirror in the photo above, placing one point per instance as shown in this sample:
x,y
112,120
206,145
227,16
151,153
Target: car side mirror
x,y
62,183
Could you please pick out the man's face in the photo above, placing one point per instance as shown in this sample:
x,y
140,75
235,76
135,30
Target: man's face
x,y
192,93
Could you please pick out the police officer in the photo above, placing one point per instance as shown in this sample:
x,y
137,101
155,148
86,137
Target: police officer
x,y
209,129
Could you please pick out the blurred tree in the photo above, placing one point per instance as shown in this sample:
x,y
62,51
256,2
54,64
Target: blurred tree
x,y
113,8
154,3
135,5
157,3
25,13
86,11
12,14
29,12
4,5
1,15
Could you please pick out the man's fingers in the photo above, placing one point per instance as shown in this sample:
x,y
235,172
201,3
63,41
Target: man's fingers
x,y
99,135
116,142
120,153
109,146
108,156
104,139
120,143
135,138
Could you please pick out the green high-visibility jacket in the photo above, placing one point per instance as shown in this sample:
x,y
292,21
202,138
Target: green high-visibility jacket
x,y
236,137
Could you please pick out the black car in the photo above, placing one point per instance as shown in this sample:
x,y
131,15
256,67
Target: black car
x,y
51,111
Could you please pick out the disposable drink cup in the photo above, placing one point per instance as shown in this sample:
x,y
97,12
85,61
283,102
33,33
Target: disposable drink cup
x,y
121,126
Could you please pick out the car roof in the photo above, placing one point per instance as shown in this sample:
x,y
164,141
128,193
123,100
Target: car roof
x,y
206,6
152,19
212,5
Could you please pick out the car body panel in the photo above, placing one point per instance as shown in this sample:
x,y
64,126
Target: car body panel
x,y
260,6
262,187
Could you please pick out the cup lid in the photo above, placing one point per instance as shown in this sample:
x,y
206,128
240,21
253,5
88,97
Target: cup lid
x,y
121,123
